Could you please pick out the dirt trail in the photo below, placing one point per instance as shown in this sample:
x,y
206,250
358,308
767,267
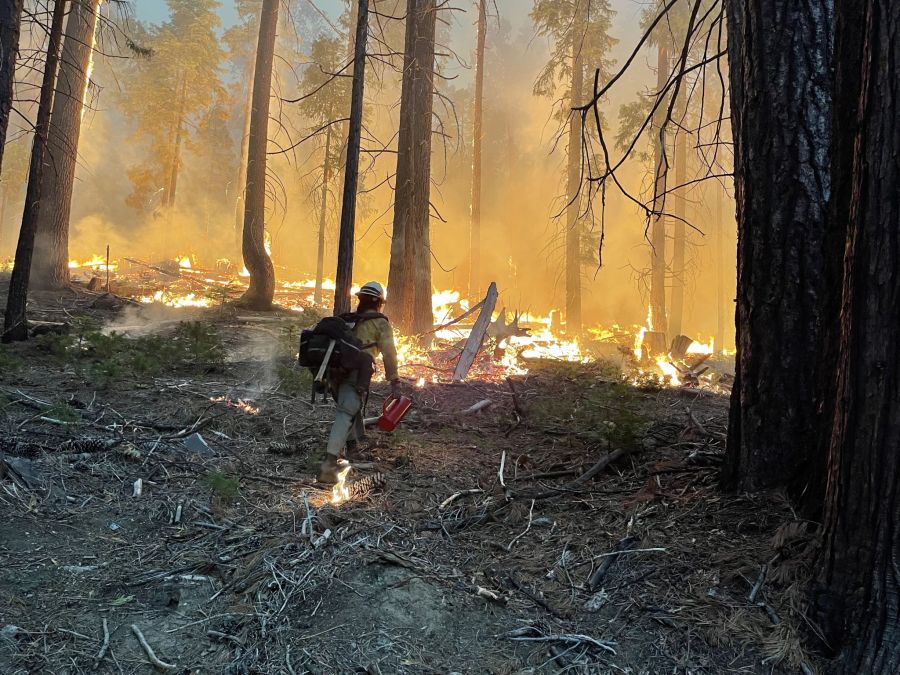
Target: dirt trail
x,y
232,560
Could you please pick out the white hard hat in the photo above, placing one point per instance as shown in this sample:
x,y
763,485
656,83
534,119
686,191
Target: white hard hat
x,y
372,289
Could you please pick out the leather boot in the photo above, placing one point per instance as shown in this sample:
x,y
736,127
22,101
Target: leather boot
x,y
328,471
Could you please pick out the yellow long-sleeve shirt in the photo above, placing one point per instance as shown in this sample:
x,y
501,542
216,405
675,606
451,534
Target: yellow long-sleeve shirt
x,y
378,333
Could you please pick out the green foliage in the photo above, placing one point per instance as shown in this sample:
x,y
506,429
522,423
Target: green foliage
x,y
105,358
594,401
197,342
631,116
62,412
175,87
294,381
221,485
327,93
8,362
556,21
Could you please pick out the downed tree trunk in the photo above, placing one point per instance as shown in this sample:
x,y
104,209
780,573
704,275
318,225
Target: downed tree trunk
x,y
476,337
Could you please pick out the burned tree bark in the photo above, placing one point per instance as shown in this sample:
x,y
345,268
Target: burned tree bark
x,y
347,235
10,21
261,290
857,594
50,269
781,112
409,280
240,201
573,178
679,237
477,143
323,213
658,319
15,327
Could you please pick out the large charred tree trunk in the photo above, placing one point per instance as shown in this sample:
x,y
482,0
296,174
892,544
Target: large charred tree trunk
x,y
51,247
658,317
573,178
409,280
858,592
323,214
15,325
10,21
475,288
347,235
679,237
240,201
779,57
261,290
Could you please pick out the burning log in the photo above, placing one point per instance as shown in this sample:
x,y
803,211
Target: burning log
x,y
476,337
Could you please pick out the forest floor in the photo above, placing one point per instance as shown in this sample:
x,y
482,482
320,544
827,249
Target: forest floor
x,y
574,525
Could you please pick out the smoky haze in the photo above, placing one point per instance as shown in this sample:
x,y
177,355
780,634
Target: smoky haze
x,y
524,172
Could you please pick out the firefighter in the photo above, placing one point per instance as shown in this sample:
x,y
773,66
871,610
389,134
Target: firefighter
x,y
374,330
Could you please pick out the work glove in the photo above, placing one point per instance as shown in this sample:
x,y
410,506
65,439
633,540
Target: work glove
x,y
395,389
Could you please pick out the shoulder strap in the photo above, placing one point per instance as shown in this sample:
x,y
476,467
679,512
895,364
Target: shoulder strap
x,y
354,317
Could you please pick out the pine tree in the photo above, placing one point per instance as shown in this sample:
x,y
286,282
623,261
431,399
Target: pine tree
x,y
327,99
343,278
261,290
409,279
15,324
782,190
579,32
477,150
51,263
166,95
855,597
241,40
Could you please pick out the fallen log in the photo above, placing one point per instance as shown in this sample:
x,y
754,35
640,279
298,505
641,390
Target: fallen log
x,y
477,407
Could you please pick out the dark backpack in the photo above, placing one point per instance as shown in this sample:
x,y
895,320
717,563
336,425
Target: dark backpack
x,y
349,352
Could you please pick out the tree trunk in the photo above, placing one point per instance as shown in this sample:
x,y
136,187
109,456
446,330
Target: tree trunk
x,y
323,213
679,237
781,116
475,288
409,281
658,319
261,290
239,204
573,179
347,235
10,20
15,322
857,596
50,269
172,188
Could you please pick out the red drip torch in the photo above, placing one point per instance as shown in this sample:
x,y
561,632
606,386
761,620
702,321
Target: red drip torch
x,y
393,412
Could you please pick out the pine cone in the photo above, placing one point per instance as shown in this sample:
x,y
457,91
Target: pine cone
x,y
281,449
364,486
18,448
86,445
